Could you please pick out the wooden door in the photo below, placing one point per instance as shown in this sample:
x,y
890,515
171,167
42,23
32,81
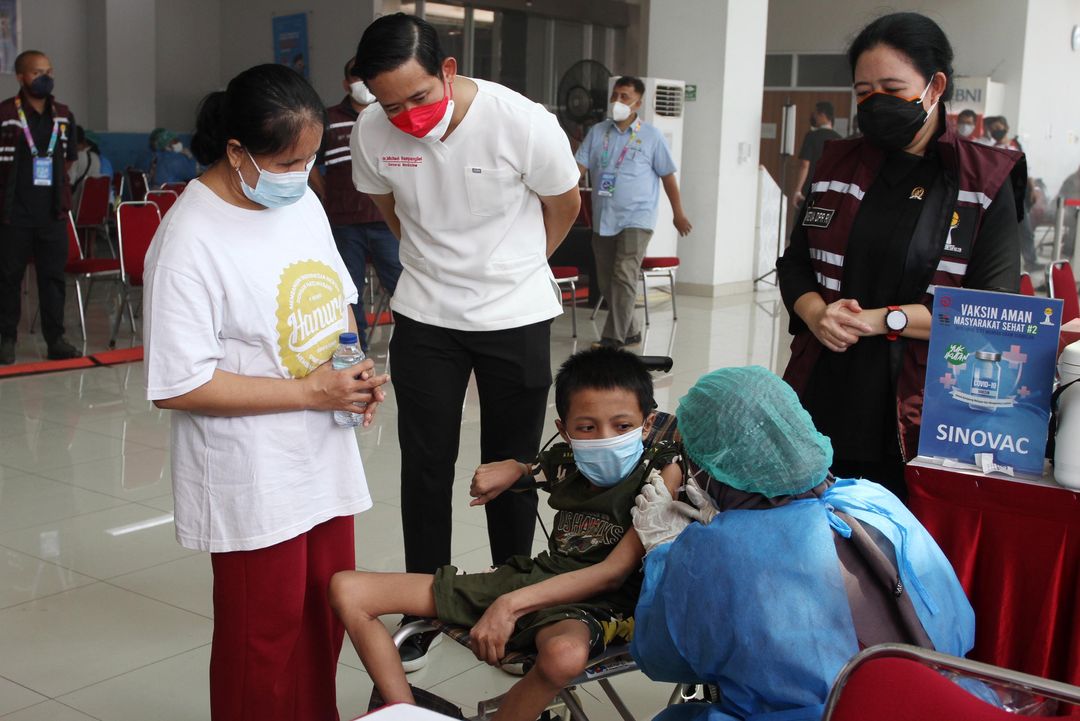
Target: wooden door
x,y
804,100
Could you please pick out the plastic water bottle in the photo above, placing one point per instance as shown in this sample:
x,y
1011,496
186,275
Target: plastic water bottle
x,y
1067,441
347,355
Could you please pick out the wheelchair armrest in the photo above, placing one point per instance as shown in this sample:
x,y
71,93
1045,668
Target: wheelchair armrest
x,y
412,629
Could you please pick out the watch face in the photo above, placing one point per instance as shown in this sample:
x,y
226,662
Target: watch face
x,y
896,320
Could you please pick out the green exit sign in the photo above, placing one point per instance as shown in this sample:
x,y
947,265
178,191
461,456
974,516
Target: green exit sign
x,y
691,93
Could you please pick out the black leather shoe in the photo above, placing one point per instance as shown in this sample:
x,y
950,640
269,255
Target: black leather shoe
x,y
62,350
7,351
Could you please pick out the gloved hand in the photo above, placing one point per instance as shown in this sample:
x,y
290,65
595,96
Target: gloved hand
x,y
703,510
656,519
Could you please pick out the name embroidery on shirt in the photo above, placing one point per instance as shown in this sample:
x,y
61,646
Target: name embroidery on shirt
x,y
401,161
818,217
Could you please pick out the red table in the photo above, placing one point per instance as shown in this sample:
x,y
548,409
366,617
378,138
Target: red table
x,y
1015,546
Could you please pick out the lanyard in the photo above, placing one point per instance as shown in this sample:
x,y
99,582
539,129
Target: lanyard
x,y
29,137
605,154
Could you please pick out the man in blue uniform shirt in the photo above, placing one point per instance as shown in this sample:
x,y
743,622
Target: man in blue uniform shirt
x,y
628,160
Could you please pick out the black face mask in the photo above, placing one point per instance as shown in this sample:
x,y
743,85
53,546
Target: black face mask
x,y
998,134
41,87
889,122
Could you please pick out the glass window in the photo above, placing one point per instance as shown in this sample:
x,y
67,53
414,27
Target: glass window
x,y
778,71
824,71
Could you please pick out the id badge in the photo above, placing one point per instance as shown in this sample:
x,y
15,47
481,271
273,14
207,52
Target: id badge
x,y
607,185
43,171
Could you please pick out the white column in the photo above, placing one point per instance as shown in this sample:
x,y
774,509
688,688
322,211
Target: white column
x,y
130,65
718,45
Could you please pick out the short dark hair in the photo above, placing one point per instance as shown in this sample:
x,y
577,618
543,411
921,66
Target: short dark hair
x,y
918,37
966,113
639,87
997,119
393,40
824,107
603,369
264,108
349,68
21,58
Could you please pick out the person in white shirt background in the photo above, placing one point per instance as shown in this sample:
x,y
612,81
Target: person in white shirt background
x,y
245,296
480,185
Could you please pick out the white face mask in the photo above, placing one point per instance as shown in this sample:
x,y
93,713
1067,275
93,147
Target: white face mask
x,y
177,147
618,111
360,93
965,129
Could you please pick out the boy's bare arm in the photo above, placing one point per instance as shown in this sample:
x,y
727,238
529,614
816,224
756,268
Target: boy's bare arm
x,y
489,636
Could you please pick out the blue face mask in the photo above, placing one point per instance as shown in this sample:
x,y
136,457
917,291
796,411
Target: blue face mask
x,y
607,461
276,190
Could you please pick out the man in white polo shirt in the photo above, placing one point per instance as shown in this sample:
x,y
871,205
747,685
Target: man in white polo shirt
x,y
480,185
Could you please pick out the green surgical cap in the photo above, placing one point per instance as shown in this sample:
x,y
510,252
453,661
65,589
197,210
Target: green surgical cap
x,y
161,139
746,428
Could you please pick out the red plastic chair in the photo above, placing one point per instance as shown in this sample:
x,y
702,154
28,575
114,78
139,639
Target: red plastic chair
x,y
1026,286
92,215
659,267
1061,283
568,275
136,223
164,199
90,269
177,187
897,682
137,184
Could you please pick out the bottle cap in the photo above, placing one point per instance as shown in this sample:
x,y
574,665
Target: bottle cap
x,y
348,339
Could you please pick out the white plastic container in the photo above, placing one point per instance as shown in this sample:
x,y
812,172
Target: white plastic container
x,y
1067,441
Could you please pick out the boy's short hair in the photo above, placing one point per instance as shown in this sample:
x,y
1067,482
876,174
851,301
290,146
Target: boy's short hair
x,y
603,369
631,81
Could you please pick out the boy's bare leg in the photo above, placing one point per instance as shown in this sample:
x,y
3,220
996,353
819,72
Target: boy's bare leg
x,y
359,598
563,652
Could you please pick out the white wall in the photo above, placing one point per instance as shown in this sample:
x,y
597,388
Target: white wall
x,y
987,35
130,62
1049,121
188,54
58,29
719,45
334,29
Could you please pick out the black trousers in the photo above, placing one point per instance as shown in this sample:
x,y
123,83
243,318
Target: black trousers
x,y
431,367
48,245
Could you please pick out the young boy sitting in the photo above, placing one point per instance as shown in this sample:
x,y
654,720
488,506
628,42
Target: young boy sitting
x,y
559,601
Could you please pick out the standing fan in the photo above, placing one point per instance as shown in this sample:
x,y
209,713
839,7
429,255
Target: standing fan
x,y
583,98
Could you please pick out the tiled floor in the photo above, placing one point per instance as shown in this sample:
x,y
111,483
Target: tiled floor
x,y
104,616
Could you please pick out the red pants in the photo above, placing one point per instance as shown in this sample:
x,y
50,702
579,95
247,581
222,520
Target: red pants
x,y
276,640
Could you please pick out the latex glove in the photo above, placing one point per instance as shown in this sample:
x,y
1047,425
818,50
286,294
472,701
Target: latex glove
x,y
656,519
703,510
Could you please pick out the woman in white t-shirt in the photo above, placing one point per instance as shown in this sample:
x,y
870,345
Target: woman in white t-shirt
x,y
245,297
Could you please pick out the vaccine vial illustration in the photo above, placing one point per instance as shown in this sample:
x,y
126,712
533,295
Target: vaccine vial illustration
x,y
985,377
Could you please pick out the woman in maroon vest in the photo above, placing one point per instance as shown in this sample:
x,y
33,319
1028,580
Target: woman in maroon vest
x,y
904,208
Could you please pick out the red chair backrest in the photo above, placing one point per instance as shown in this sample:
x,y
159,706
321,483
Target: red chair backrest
x,y
137,183
94,202
163,198
177,187
74,249
136,223
901,689
1063,285
1026,286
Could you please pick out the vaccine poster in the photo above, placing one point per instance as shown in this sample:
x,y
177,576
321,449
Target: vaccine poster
x,y
989,376
291,42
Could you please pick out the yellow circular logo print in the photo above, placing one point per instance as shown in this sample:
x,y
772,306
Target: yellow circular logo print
x,y
310,308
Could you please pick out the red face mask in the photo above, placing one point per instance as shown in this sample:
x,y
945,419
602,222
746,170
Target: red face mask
x,y
427,122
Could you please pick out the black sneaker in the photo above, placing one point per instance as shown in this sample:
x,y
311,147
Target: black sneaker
x,y
7,351
632,340
62,350
414,650
607,343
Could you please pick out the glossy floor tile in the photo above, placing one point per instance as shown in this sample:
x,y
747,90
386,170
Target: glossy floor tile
x,y
103,616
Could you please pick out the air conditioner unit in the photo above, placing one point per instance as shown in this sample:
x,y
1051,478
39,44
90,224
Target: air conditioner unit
x,y
662,107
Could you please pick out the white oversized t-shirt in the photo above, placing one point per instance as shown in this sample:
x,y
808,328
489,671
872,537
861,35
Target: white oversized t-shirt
x,y
473,245
259,293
